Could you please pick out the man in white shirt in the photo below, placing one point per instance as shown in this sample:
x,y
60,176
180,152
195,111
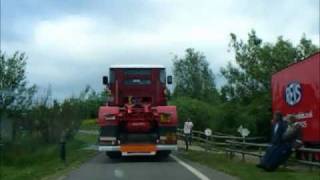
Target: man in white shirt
x,y
187,130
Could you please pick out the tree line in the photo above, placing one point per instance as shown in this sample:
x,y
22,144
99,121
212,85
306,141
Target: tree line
x,y
245,98
35,114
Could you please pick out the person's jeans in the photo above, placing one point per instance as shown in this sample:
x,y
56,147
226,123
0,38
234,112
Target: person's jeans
x,y
187,139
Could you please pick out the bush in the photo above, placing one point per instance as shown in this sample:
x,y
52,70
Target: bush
x,y
225,117
203,115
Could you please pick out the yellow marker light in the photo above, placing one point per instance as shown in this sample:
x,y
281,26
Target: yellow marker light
x,y
171,137
164,118
165,92
130,100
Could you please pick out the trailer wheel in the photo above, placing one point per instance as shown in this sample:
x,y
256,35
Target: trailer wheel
x,y
113,155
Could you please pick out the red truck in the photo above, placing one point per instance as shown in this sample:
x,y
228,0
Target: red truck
x,y
137,119
296,91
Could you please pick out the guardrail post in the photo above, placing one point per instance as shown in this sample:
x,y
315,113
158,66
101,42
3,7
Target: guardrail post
x,y
243,149
226,149
310,159
207,143
231,150
212,143
260,153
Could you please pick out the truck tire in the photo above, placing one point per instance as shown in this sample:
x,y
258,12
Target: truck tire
x,y
163,154
113,155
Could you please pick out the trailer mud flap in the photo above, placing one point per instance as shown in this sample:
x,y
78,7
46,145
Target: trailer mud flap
x,y
138,149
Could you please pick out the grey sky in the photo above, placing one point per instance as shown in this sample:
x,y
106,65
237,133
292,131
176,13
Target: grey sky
x,y
71,43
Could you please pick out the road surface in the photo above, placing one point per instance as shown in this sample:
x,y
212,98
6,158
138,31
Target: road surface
x,y
143,168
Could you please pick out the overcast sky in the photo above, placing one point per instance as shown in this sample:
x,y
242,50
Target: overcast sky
x,y
71,43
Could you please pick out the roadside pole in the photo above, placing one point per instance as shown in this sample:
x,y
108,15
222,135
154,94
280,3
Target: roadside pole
x,y
244,133
208,133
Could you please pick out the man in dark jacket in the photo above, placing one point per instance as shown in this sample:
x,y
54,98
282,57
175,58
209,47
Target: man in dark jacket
x,y
278,128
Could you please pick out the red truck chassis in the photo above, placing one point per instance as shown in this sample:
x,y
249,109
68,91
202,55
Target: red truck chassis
x,y
137,119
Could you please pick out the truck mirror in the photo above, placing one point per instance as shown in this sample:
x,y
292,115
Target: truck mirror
x,y
169,79
105,80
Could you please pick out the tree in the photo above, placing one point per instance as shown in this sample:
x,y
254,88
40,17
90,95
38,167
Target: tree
x,y
257,61
48,117
193,77
305,48
247,91
14,93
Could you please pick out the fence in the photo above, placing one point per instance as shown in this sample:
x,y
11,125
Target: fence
x,y
245,146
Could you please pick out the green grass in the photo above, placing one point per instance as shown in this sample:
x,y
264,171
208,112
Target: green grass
x,y
40,160
89,124
247,171
88,138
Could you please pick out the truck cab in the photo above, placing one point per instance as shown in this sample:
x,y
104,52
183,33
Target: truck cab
x,y
136,120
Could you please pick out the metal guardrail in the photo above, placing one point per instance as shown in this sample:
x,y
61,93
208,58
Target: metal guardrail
x,y
242,148
200,136
235,144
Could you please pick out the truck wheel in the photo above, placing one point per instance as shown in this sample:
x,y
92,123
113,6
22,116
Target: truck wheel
x,y
163,154
113,155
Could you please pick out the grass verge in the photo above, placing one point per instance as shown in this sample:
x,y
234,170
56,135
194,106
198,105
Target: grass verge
x,y
89,124
246,171
44,160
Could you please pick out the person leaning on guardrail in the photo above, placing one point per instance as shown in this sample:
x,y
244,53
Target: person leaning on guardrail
x,y
271,159
293,134
187,130
280,151
278,128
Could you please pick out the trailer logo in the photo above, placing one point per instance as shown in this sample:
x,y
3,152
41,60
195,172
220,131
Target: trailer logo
x,y
293,93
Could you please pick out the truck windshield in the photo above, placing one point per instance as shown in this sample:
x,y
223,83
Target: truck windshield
x,y
137,82
162,76
137,71
137,76
111,75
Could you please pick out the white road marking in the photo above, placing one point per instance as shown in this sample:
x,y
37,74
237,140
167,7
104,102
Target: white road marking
x,y
190,168
118,173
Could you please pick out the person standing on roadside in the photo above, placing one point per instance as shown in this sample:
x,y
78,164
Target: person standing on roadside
x,y
63,140
187,130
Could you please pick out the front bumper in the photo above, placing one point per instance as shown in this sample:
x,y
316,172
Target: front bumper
x,y
159,147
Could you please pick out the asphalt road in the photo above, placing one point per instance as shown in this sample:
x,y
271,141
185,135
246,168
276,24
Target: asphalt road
x,y
143,168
